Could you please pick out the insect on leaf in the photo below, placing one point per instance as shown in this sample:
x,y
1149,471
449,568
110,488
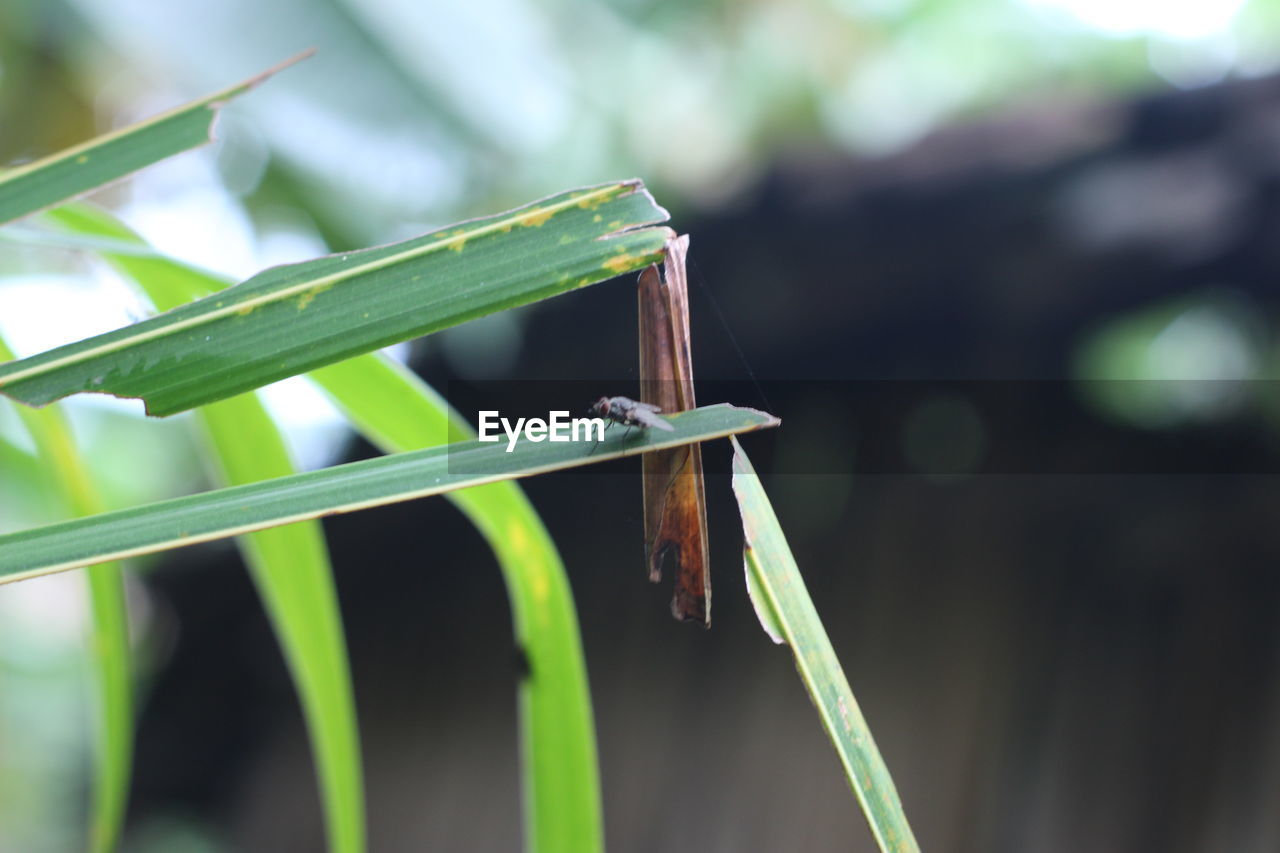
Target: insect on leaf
x,y
351,487
675,507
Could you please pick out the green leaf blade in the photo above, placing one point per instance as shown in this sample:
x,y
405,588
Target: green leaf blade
x,y
77,170
110,652
289,565
291,570
788,610
342,488
295,318
397,411
114,685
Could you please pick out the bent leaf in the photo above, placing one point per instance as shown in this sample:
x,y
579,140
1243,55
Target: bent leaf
x,y
291,571
787,615
560,782
110,654
67,174
289,565
344,488
396,411
294,318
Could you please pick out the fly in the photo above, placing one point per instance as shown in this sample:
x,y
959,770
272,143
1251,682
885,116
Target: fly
x,y
630,413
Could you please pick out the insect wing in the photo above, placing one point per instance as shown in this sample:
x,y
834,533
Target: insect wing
x,y
647,418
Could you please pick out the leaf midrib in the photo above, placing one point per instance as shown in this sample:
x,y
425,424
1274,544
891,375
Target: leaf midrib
x,y
283,294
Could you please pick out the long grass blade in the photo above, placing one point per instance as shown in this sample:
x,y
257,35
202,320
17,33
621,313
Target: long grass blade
x,y
109,629
291,570
290,565
291,319
36,185
354,486
787,614
397,411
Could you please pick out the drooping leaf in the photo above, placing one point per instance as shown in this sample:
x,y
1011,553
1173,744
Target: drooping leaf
x,y
109,628
289,565
397,411
787,614
36,185
291,319
290,568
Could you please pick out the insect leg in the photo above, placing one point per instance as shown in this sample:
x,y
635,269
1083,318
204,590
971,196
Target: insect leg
x,y
607,424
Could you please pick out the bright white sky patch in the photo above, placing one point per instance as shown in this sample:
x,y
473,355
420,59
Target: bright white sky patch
x,y
1179,19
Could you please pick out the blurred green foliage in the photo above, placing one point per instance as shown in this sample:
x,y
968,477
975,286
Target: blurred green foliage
x,y
416,114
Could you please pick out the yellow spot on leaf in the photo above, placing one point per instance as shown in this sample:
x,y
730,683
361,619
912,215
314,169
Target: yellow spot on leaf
x,y
566,239
615,225
459,244
597,218
620,263
82,159
519,539
541,587
309,296
592,202
536,217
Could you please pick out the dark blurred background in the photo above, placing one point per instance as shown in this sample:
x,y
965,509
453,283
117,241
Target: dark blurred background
x,y
1049,228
